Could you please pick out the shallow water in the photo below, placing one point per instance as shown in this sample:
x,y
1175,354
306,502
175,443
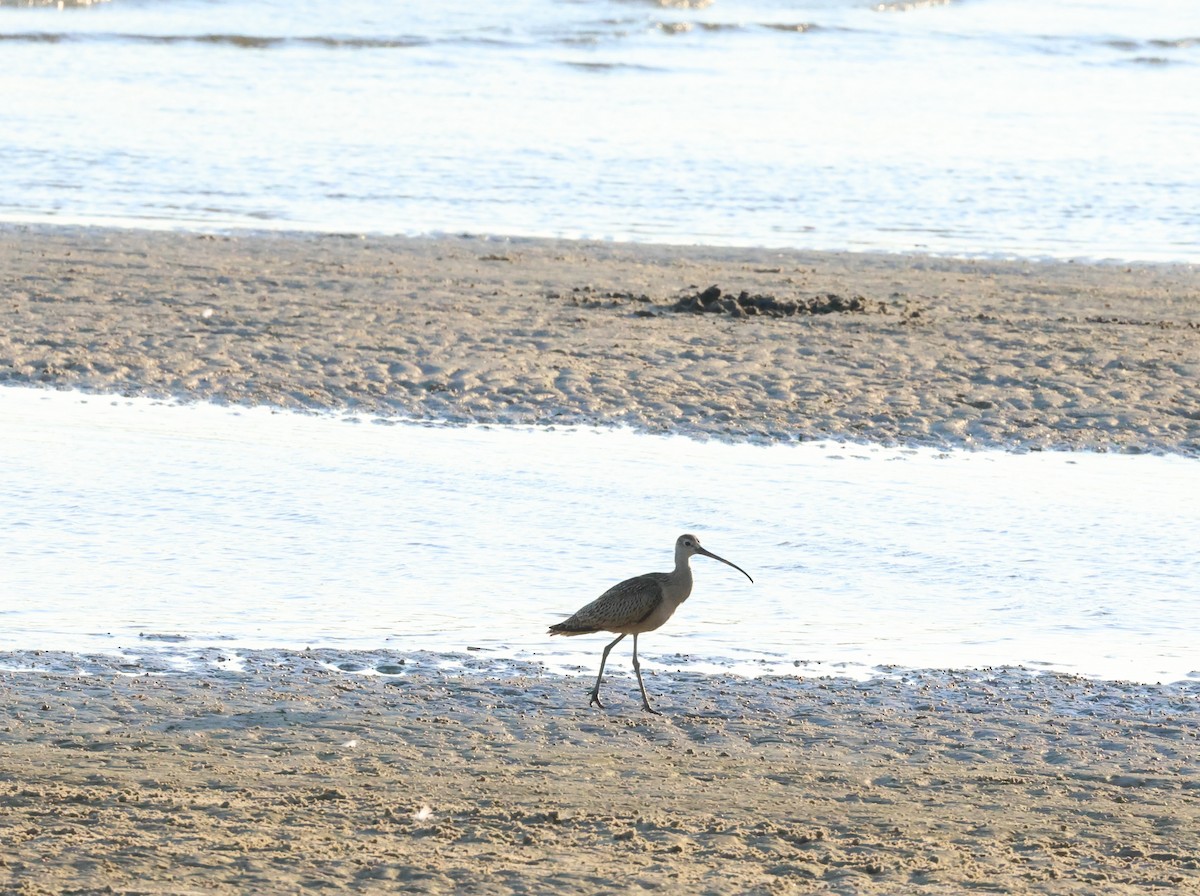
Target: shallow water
x,y
135,525
1002,127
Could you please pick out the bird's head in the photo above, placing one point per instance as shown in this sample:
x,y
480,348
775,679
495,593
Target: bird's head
x,y
689,545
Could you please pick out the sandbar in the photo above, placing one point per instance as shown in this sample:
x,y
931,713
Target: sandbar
x,y
937,351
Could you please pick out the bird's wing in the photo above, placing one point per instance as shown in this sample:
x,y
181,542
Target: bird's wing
x,y
623,604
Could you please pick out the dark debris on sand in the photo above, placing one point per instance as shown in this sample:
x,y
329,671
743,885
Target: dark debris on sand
x,y
714,301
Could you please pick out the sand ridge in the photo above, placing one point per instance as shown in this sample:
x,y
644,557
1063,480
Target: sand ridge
x,y
948,352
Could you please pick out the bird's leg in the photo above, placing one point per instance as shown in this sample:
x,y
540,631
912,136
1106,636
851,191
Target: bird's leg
x,y
637,668
595,701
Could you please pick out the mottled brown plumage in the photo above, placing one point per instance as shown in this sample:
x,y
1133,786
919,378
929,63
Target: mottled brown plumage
x,y
621,606
637,605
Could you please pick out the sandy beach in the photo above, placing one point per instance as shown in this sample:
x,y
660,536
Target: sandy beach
x,y
891,349
372,772
306,772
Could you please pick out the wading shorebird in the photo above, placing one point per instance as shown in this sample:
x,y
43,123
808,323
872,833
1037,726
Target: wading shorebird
x,y
637,605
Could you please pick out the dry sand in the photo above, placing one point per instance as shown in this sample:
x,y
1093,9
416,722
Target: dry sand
x,y
376,773
292,775
534,331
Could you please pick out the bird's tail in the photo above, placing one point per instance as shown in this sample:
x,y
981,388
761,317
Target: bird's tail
x,y
562,628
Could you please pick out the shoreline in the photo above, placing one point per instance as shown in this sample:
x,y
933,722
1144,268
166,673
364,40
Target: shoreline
x,y
293,774
50,226
940,352
361,771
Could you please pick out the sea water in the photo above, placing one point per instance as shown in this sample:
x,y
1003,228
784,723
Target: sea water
x,y
133,526
991,127
982,127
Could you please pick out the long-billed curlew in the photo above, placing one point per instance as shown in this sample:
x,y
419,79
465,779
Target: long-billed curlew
x,y
637,605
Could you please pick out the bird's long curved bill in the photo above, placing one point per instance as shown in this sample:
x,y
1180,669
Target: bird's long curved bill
x,y
708,553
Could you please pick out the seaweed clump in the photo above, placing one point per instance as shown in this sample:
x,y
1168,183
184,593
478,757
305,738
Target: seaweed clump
x,y
714,301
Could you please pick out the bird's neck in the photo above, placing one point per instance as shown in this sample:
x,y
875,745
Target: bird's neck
x,y
681,580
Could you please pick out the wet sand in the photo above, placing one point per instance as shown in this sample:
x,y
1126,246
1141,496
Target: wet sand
x,y
939,352
290,772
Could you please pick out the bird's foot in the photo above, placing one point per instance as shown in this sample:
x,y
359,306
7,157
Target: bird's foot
x,y
648,708
595,701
